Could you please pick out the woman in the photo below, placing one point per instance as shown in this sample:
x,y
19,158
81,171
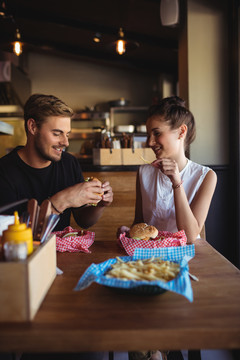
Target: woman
x,y
173,193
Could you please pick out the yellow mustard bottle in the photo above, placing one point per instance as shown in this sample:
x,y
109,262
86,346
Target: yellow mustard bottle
x,y
19,233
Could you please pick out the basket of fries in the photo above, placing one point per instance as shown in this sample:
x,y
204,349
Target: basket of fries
x,y
148,272
164,239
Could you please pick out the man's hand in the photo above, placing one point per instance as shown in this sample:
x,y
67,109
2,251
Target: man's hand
x,y
107,197
88,216
84,193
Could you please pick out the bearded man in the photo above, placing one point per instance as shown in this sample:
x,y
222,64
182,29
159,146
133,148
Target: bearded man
x,y
42,169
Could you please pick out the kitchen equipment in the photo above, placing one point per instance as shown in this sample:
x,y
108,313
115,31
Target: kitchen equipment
x,y
91,115
33,210
127,115
51,223
141,128
119,102
24,218
124,128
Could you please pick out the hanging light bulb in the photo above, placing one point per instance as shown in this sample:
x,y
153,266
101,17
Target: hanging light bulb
x,y
97,37
17,45
121,43
2,9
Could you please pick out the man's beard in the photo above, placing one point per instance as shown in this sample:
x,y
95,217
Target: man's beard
x,y
40,150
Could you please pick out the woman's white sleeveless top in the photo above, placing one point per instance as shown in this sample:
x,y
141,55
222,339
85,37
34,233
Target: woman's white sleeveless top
x,y
157,193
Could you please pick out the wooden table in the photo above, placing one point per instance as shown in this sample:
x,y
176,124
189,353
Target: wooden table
x,y
102,319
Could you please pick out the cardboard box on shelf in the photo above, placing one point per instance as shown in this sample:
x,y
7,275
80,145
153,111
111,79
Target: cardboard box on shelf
x,y
126,156
107,156
134,156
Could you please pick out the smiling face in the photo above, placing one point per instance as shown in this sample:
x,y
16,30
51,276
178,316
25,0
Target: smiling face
x,y
51,138
164,141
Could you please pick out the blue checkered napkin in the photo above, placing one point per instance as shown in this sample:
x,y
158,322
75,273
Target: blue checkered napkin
x,y
175,253
181,284
95,272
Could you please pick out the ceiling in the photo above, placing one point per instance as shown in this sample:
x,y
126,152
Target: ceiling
x,y
66,28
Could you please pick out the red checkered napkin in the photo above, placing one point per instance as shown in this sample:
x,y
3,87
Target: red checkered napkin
x,y
75,243
164,239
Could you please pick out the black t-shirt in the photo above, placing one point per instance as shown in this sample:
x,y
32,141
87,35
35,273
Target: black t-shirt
x,y
20,181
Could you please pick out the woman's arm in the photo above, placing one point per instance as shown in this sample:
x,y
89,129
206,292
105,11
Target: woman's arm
x,y
191,218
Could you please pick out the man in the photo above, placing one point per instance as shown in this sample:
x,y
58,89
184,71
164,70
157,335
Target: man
x,y
43,170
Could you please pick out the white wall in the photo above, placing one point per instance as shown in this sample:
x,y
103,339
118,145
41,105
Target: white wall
x,y
81,84
208,82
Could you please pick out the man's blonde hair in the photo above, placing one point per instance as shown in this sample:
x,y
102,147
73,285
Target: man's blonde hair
x,y
40,106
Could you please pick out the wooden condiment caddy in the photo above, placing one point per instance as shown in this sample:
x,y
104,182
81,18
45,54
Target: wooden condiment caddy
x,y
24,284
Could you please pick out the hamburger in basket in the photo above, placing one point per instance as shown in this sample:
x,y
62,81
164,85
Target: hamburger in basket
x,y
146,236
143,231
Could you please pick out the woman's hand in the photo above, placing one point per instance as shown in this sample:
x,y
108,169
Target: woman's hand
x,y
122,229
170,168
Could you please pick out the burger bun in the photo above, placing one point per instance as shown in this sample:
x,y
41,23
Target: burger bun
x,y
143,231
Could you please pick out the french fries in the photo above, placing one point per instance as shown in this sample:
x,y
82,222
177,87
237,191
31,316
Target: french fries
x,y
146,161
147,269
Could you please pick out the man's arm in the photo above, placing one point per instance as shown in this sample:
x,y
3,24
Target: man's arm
x,y
81,194
88,215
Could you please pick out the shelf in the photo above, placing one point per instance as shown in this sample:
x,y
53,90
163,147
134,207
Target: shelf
x,y
126,110
83,134
11,110
90,115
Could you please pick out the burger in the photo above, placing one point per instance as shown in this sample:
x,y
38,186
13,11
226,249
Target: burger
x,y
91,178
143,231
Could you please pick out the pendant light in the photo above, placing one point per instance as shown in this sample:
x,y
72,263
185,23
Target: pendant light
x,y
121,43
3,12
17,45
97,37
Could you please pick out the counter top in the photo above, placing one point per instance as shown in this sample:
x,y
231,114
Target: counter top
x,y
100,168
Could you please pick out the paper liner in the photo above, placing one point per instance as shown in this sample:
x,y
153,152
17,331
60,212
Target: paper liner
x,y
164,239
74,243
